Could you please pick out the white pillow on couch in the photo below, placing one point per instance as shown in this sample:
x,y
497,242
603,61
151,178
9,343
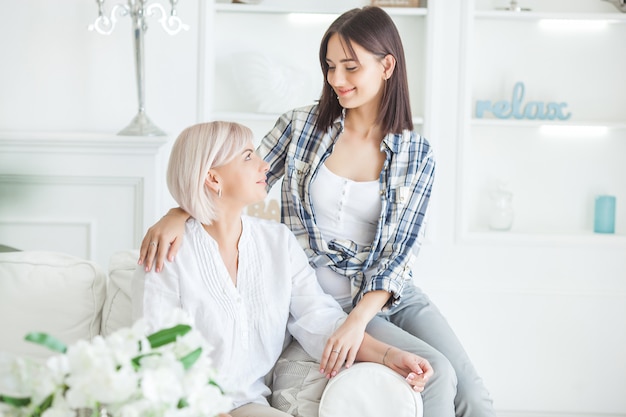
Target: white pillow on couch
x,y
117,310
51,292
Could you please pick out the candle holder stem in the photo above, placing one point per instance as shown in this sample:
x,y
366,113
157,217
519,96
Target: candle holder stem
x,y
138,10
141,125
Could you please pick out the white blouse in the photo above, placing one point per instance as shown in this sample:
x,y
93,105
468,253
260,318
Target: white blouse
x,y
276,292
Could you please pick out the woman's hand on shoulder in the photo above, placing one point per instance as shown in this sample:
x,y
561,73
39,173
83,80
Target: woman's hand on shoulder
x,y
163,239
415,369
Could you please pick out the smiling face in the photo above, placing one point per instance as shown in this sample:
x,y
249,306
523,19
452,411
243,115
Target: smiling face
x,y
357,80
242,181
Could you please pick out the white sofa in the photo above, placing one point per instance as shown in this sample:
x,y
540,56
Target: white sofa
x,y
72,299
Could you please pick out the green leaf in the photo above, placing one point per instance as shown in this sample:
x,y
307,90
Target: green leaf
x,y
15,402
182,403
215,384
135,361
165,336
190,359
46,340
45,404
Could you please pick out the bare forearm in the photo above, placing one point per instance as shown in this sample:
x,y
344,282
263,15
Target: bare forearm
x,y
372,350
369,305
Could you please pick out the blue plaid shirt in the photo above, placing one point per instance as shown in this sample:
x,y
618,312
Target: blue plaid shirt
x,y
295,152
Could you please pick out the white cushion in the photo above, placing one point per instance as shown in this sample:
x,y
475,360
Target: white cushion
x,y
50,292
117,310
369,390
297,383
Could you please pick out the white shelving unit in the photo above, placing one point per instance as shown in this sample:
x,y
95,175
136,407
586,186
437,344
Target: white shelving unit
x,y
562,52
252,74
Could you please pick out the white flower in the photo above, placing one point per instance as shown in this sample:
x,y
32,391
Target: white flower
x,y
162,385
122,373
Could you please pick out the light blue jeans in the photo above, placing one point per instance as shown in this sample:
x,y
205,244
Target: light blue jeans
x,y
417,326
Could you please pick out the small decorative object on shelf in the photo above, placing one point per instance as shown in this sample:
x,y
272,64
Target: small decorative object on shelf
x,y
400,3
501,216
138,11
604,214
168,373
514,7
532,110
620,4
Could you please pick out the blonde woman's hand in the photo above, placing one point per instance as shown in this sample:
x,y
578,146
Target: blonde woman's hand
x,y
163,239
342,347
415,369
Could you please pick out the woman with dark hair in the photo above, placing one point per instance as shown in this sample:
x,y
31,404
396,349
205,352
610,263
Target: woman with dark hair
x,y
356,182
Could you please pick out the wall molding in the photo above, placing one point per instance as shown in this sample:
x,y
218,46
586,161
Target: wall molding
x,y
554,414
79,143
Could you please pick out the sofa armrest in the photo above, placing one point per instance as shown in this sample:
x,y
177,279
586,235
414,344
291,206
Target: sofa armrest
x,y
364,390
369,389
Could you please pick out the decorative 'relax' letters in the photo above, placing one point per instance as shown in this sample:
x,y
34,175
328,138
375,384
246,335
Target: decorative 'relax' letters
x,y
532,110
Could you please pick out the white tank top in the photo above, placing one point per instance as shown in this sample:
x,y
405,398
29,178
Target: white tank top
x,y
344,209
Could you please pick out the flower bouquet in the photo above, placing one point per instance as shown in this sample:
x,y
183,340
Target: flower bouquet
x,y
127,374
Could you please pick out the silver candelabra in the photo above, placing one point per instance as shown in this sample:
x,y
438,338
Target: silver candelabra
x,y
139,10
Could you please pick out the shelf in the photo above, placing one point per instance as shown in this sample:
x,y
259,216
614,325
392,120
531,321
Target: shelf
x,y
74,142
515,123
495,14
537,238
293,8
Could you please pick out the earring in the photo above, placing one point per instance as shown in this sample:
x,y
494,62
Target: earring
x,y
219,193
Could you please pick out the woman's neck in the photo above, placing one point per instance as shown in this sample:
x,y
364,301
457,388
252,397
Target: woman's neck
x,y
362,122
225,230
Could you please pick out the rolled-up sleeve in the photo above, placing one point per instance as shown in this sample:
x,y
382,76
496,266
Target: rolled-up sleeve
x,y
404,228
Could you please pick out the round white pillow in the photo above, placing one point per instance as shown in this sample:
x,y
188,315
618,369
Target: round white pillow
x,y
369,390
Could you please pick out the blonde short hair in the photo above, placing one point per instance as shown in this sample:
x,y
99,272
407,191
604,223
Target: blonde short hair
x,y
197,149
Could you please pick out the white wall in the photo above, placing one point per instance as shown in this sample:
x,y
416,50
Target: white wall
x,y
545,322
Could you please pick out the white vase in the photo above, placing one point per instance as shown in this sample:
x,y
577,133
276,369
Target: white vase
x,y
502,214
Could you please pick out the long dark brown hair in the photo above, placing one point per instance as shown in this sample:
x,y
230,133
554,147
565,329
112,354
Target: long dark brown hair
x,y
373,29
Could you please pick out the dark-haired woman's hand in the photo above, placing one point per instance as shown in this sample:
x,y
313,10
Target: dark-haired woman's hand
x,y
163,239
